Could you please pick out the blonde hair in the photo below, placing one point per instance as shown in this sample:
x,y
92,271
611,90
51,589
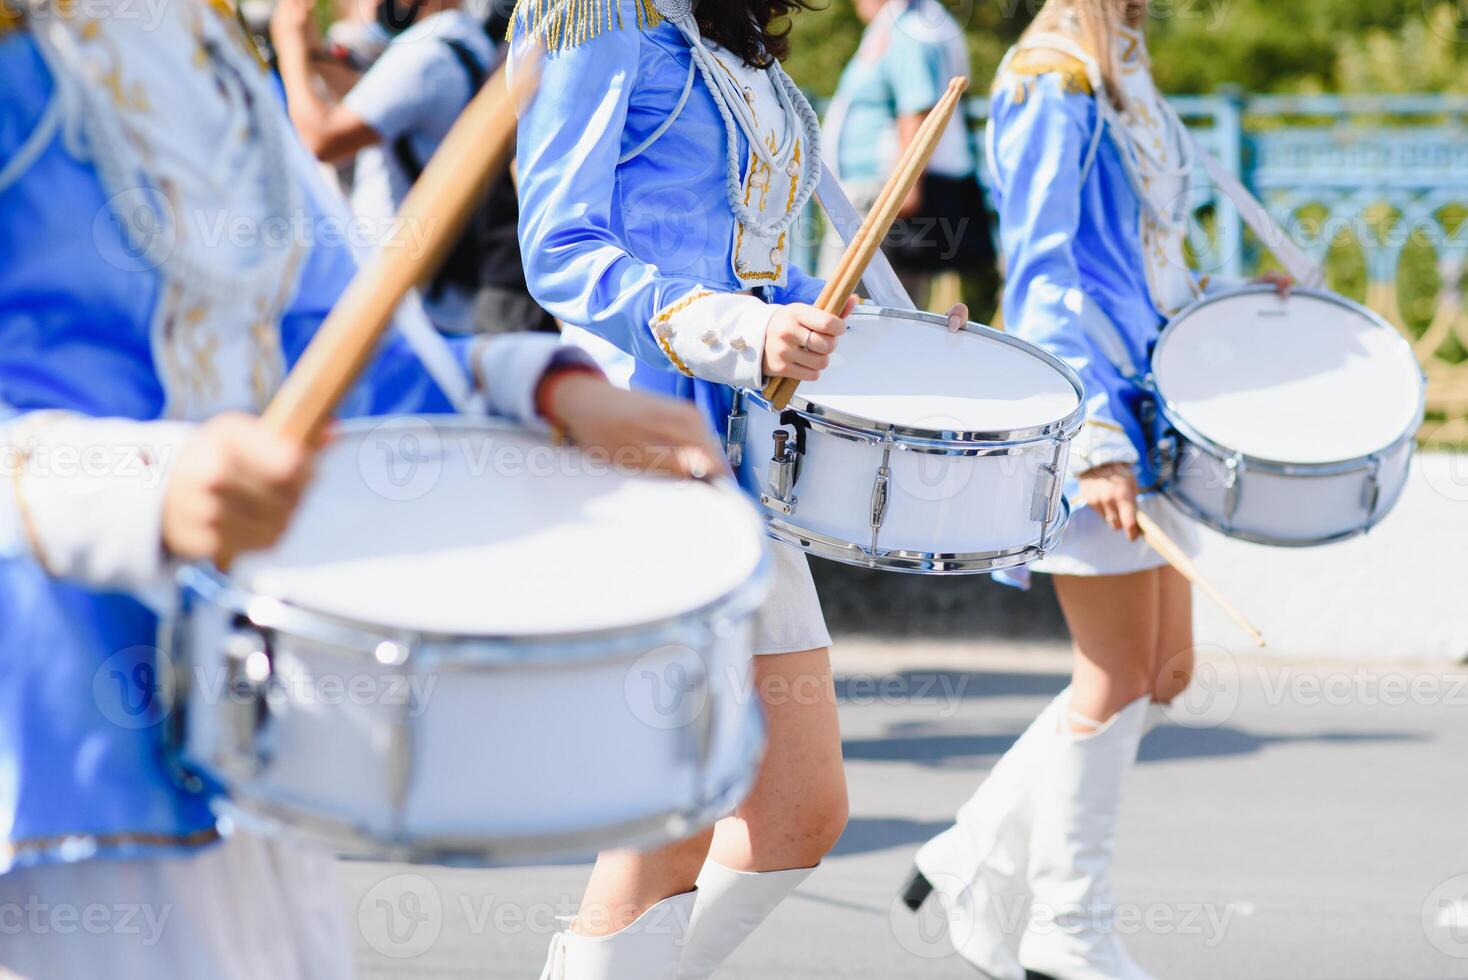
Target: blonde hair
x,y
1091,24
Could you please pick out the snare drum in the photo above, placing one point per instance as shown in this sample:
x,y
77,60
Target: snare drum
x,y
918,450
472,645
1284,421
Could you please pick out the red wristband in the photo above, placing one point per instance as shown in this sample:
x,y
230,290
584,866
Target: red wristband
x,y
545,391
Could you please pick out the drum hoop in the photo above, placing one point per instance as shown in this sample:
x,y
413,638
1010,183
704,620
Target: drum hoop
x,y
1184,504
473,652
918,562
1176,420
477,651
919,439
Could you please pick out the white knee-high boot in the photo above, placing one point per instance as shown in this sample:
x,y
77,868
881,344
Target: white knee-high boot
x,y
731,904
1077,799
648,949
977,867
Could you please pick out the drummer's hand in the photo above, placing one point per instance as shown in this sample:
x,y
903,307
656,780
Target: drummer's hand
x,y
800,339
1112,491
291,23
957,317
232,489
1281,281
632,428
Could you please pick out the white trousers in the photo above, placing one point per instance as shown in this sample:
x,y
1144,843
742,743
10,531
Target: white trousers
x,y
245,909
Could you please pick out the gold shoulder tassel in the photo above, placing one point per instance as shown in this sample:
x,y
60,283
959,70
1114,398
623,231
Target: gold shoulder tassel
x,y
562,24
1030,64
10,18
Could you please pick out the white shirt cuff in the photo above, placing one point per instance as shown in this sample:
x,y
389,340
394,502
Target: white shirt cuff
x,y
85,497
715,336
508,369
1100,443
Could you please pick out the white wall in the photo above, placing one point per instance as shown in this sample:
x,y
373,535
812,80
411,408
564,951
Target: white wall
x,y
1397,593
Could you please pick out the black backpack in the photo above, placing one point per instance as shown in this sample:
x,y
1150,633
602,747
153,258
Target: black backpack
x,y
488,252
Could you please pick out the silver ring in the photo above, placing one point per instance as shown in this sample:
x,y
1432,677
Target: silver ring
x,y
809,333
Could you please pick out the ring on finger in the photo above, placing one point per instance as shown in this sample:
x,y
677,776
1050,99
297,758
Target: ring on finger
x,y
809,334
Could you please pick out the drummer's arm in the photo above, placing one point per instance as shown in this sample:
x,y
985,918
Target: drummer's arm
x,y
83,496
1040,141
577,265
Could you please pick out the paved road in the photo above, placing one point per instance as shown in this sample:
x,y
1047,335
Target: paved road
x,y
1311,823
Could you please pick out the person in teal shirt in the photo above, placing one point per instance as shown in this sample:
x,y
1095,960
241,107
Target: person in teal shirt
x,y
909,51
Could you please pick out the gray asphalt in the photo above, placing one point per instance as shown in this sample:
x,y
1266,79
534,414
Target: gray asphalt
x,y
1305,821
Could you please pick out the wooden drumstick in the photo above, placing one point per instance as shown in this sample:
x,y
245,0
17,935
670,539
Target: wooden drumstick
x,y
878,222
1178,559
431,217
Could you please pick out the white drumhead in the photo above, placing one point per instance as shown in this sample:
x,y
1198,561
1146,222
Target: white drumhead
x,y
913,373
471,530
1305,379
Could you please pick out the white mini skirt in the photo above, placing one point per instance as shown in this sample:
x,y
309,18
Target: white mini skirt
x,y
1090,546
790,620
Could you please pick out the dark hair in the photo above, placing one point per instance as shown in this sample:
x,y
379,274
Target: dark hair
x,y
758,31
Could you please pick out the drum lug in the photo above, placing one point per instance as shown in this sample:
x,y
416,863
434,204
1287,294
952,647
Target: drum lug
x,y
881,495
1371,491
780,485
735,431
249,672
1042,503
1233,469
1166,459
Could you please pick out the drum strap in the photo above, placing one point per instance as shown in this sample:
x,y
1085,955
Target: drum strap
x,y
1261,222
883,286
800,424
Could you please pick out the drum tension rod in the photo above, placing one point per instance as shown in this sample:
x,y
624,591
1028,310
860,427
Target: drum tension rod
x,y
880,494
779,493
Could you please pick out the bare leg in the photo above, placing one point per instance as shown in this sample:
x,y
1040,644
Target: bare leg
x,y
798,807
1113,622
1173,664
795,813
624,884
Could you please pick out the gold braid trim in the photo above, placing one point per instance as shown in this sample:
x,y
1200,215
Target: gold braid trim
x,y
11,19
1099,424
562,24
1027,66
21,460
31,845
665,316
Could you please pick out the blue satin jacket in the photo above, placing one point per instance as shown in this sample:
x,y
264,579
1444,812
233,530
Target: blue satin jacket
x,y
609,243
81,773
